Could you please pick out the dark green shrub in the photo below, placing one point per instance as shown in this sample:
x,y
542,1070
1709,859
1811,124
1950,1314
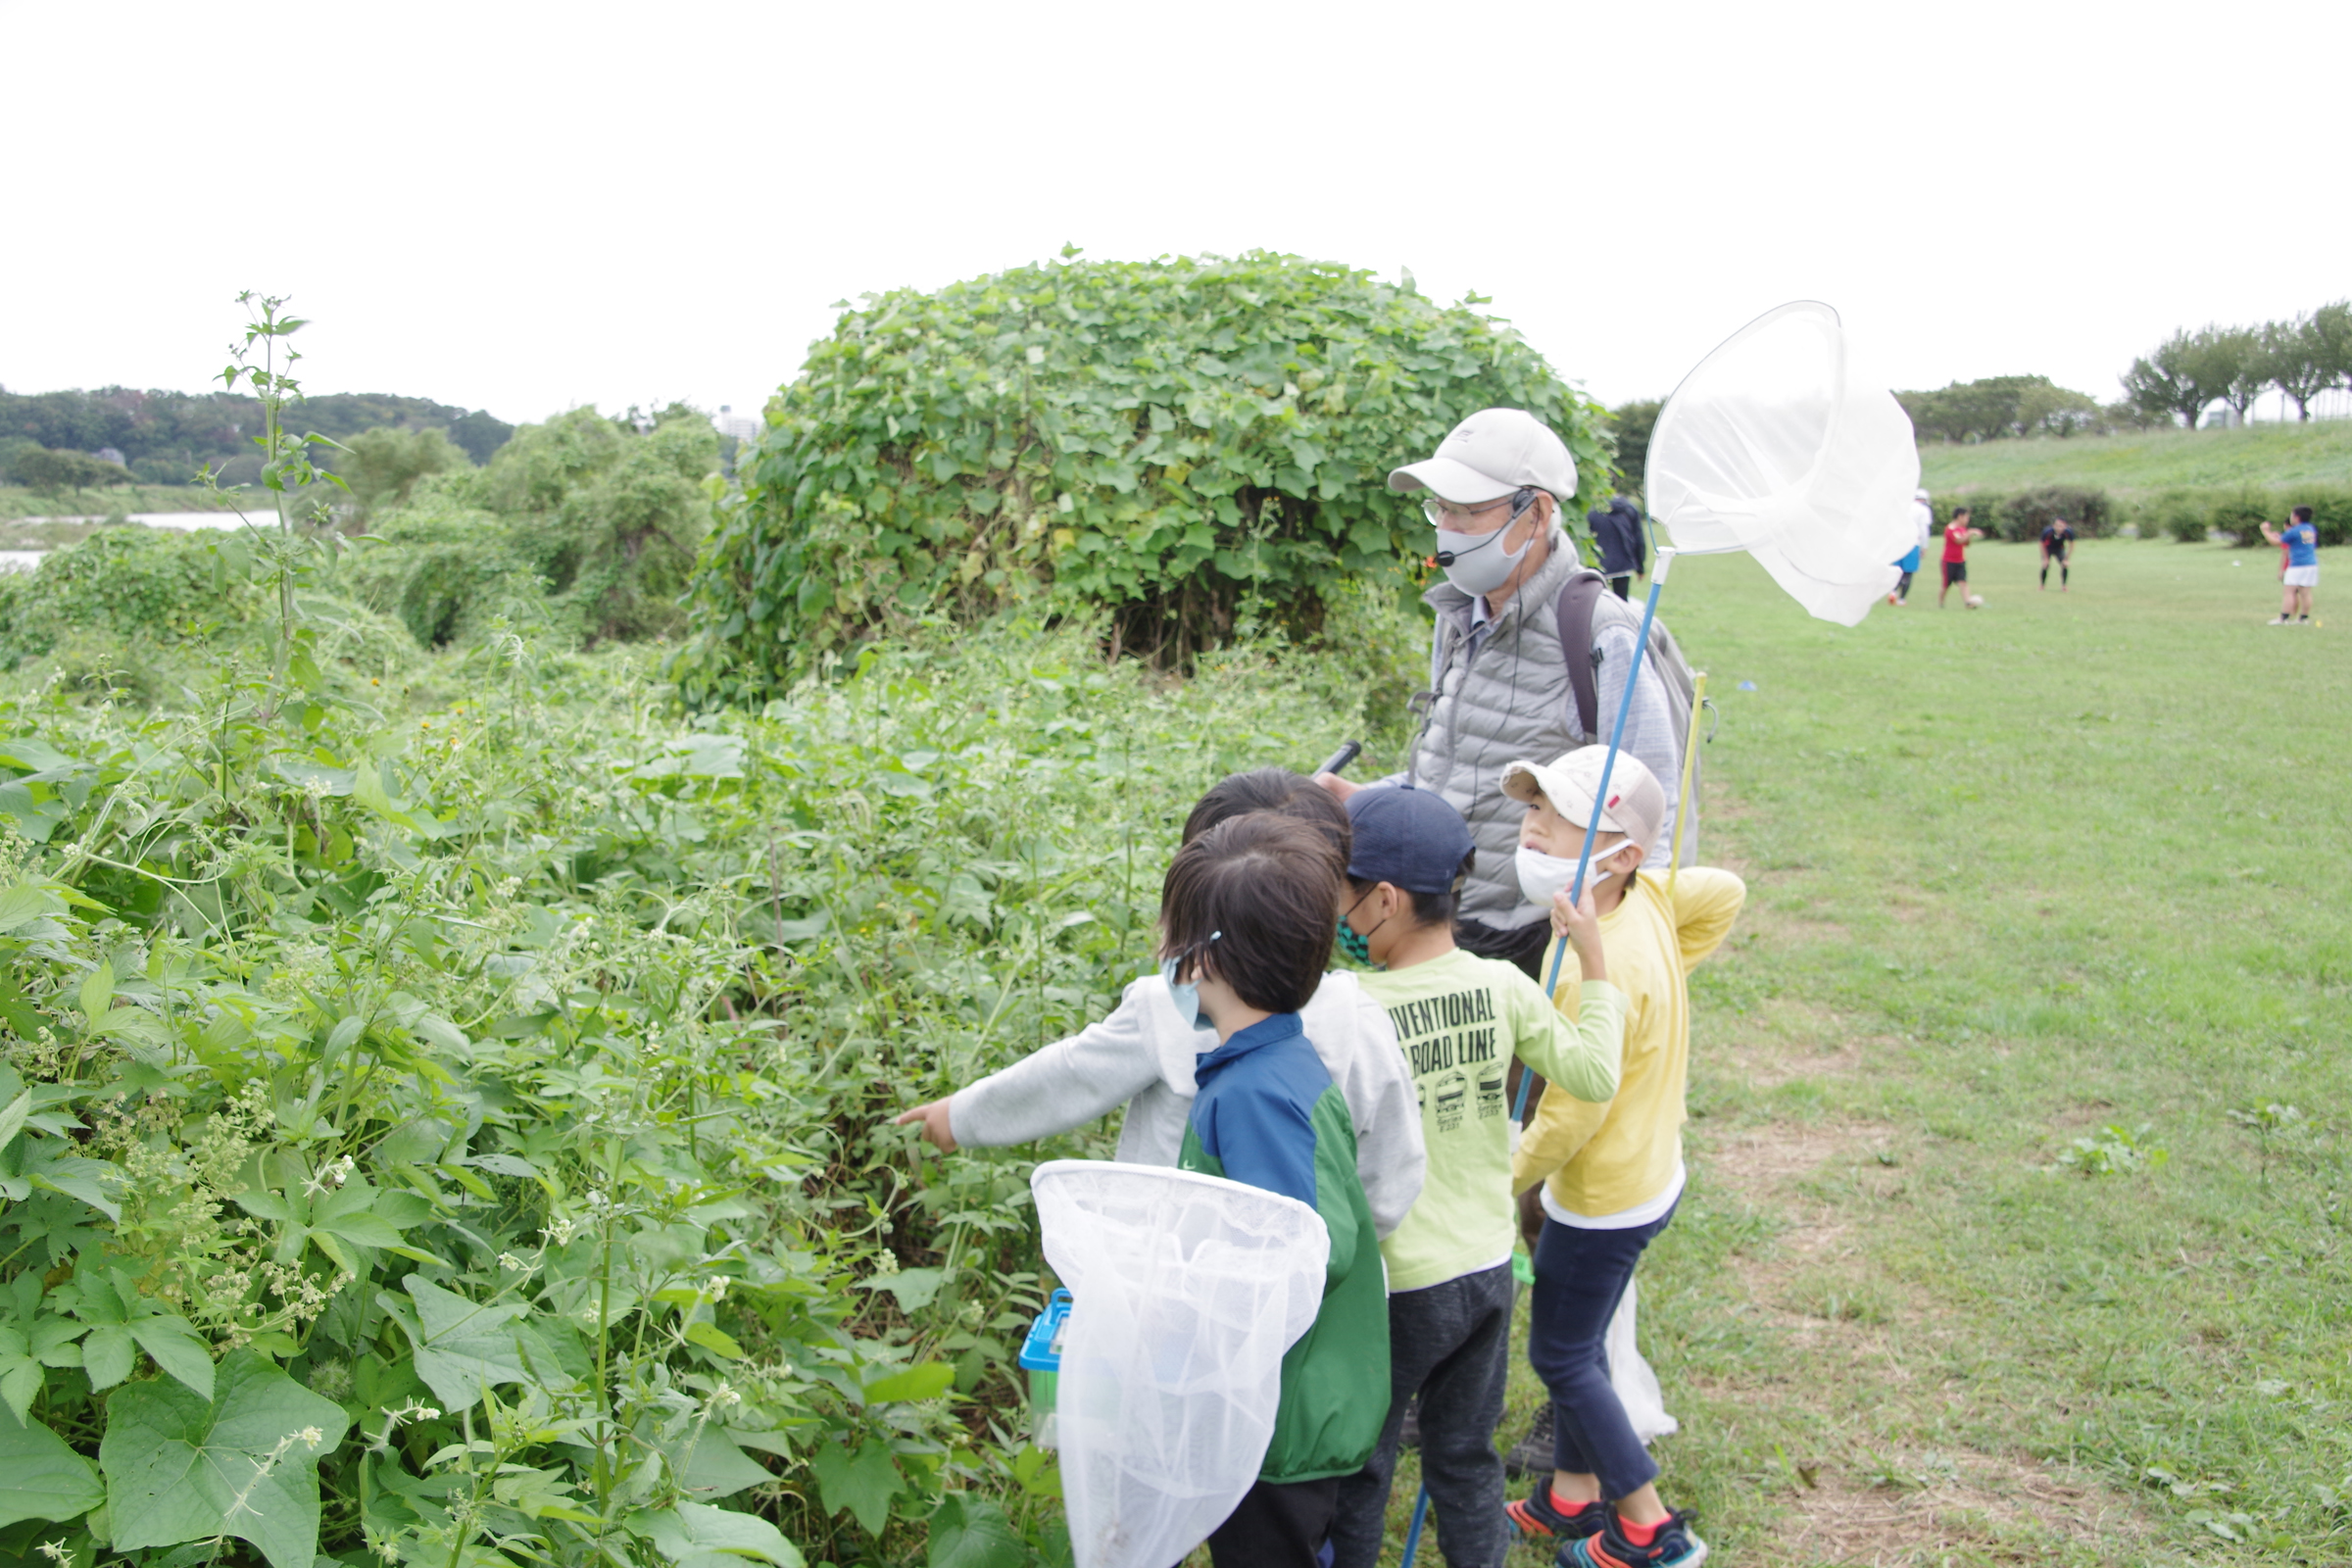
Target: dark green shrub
x,y
1983,505
581,526
1186,441
134,585
2240,513
2023,516
381,466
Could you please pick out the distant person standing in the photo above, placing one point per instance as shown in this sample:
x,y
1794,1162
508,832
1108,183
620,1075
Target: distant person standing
x,y
2057,550
2300,539
1923,522
1957,537
1624,552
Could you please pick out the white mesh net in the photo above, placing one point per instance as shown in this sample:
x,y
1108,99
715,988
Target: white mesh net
x,y
1631,1375
1186,1291
1773,445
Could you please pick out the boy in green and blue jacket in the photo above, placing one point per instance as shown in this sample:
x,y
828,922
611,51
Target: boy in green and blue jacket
x,y
1244,917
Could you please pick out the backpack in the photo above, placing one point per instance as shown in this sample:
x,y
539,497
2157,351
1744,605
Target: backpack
x,y
1584,600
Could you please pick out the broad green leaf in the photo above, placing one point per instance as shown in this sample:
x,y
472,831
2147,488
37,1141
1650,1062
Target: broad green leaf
x,y
40,1478
913,1286
176,1466
707,1464
695,1535
12,1119
98,993
175,1348
460,1345
711,1337
863,1483
109,1354
968,1531
926,1382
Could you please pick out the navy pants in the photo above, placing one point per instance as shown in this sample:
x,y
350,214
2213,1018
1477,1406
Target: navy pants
x,y
1581,1276
1277,1525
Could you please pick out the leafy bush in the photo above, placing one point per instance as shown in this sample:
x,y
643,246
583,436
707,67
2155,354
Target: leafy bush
x,y
44,469
382,465
2023,516
465,1130
1191,443
581,525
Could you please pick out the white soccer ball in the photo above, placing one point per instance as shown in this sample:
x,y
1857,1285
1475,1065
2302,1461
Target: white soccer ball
x,y
1975,602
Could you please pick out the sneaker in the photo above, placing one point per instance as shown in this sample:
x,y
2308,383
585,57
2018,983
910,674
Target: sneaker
x,y
1531,1455
1541,1515
1675,1545
2281,620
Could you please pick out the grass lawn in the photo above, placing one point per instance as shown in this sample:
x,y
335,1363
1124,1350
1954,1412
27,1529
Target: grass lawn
x,y
2017,876
2318,452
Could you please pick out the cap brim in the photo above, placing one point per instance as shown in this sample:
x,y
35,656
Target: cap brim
x,y
1527,782
1449,480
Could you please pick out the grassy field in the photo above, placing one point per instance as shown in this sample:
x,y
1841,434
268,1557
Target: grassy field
x,y
2017,876
18,501
2319,452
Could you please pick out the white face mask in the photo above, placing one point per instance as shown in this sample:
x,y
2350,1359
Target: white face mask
x,y
1480,563
1541,877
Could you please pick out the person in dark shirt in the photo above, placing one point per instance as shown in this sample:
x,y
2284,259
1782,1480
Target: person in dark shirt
x,y
2057,550
1617,532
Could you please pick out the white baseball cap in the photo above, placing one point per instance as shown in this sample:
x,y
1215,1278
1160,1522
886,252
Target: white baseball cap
x,y
1490,455
1637,805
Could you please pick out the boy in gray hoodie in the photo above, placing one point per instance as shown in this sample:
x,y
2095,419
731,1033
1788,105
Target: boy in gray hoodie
x,y
1142,1056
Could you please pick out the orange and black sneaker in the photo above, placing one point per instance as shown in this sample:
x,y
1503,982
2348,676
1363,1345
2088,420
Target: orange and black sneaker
x,y
1668,1543
1544,1514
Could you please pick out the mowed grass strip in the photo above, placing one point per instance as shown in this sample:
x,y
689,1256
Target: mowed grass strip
x,y
2016,875
2317,453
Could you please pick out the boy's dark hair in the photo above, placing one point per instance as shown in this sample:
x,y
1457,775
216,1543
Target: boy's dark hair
x,y
1428,908
1276,790
1958,513
1249,902
2301,513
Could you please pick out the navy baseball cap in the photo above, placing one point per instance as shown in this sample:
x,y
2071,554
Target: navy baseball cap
x,y
1407,837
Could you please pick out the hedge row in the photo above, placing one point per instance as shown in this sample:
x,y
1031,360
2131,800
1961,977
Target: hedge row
x,y
2020,517
2194,516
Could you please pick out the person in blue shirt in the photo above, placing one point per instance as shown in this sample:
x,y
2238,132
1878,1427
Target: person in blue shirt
x,y
2301,541
1246,913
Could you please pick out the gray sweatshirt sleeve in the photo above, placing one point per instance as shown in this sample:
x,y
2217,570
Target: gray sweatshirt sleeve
x,y
1648,726
1357,1043
1062,1086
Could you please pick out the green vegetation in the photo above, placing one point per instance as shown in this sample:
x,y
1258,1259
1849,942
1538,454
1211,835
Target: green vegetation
x,y
476,1057
2189,370
2279,455
168,436
2066,871
584,529
2006,406
1194,444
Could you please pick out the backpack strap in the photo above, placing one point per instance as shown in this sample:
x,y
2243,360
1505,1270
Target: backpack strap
x,y
1573,615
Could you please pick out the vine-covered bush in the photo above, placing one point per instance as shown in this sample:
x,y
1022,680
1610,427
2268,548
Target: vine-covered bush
x,y
1185,442
460,1135
583,525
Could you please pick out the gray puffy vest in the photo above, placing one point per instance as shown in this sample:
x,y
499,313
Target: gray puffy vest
x,y
1509,697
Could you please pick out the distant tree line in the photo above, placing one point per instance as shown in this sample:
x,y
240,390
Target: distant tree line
x,y
2190,371
165,437
1999,406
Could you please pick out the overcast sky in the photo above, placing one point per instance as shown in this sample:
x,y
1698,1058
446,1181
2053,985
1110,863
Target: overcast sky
x,y
529,207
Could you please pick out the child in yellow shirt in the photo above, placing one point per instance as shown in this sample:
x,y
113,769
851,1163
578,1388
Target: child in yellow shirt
x,y
1611,1173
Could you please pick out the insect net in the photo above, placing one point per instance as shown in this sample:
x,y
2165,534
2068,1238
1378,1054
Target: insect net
x,y
1775,446
1185,1292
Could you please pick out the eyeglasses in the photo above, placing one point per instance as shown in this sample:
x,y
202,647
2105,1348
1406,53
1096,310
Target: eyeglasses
x,y
1449,516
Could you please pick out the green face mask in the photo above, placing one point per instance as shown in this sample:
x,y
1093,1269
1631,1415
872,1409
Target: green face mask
x,y
1356,945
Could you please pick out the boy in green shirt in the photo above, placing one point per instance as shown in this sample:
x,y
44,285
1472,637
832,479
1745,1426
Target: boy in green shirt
x,y
1460,1019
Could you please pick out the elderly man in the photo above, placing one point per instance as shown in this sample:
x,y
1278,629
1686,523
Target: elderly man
x,y
1499,683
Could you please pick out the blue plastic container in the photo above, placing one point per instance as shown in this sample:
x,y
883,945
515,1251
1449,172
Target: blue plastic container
x,y
1041,1358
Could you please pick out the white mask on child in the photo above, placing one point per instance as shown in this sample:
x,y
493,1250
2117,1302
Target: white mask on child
x,y
1542,877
